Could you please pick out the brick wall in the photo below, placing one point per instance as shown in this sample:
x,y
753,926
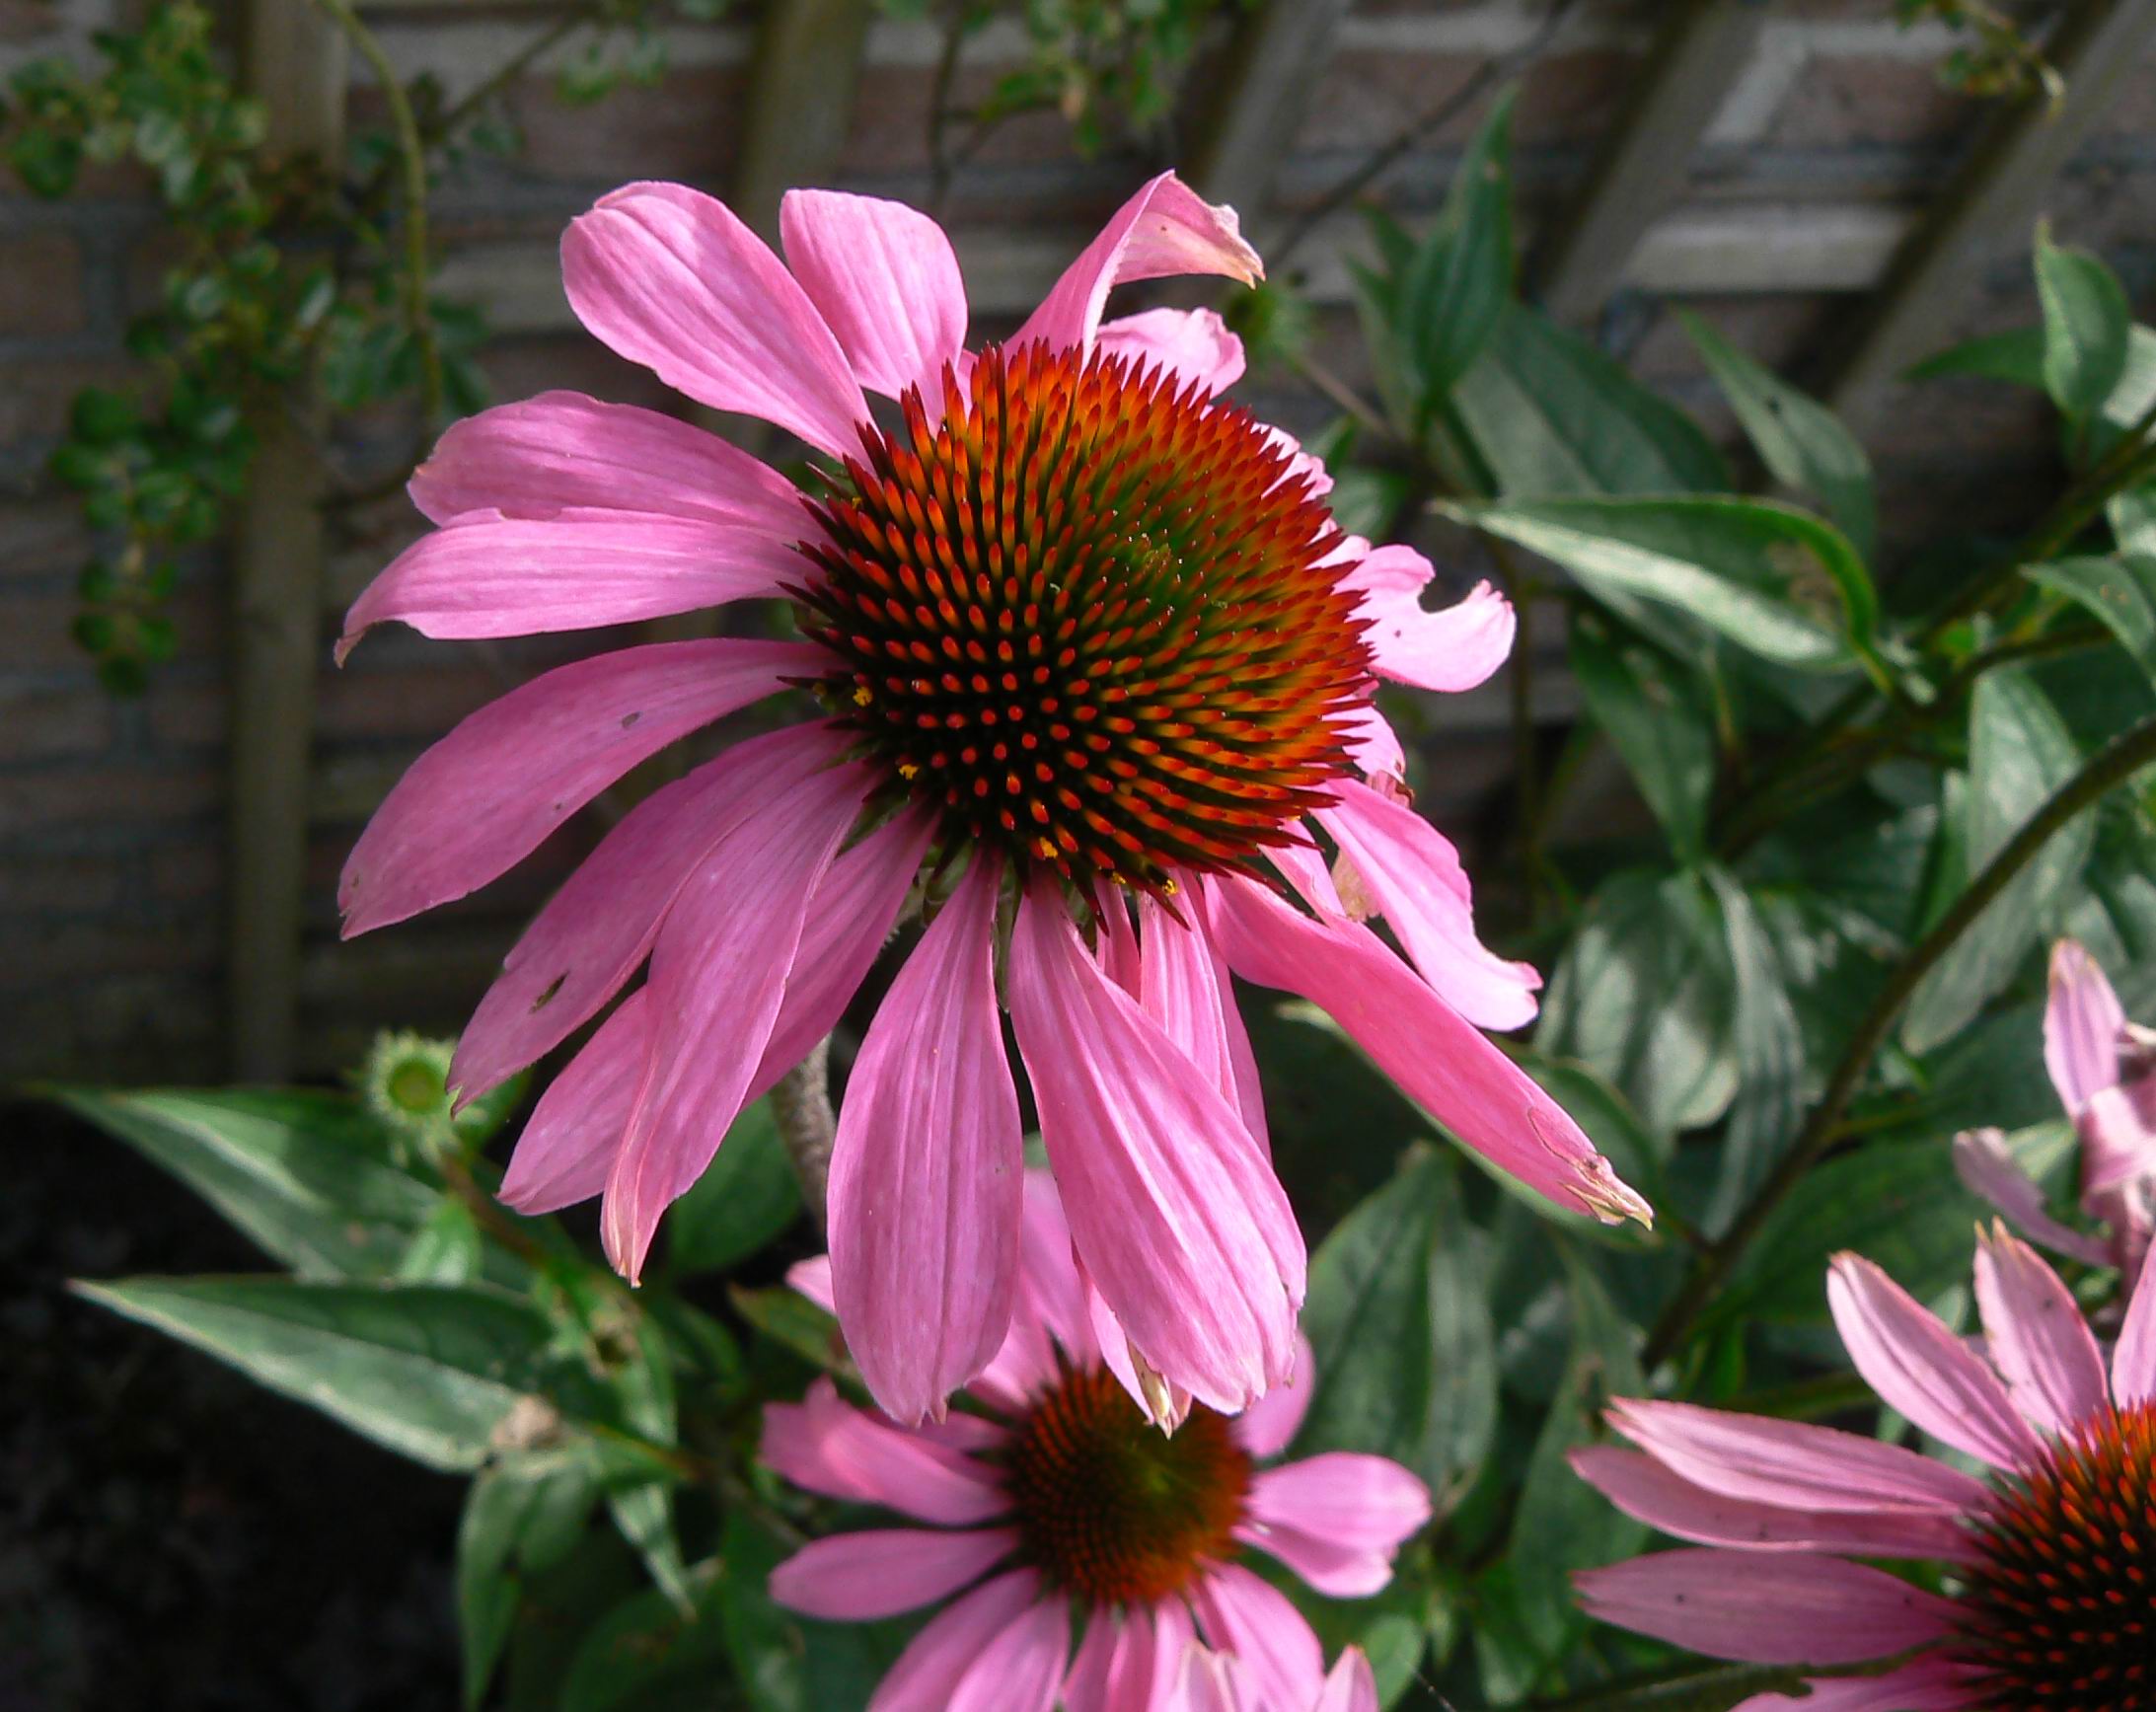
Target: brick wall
x,y
111,829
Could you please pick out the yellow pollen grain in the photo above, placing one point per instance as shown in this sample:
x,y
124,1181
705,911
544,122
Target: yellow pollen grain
x,y
862,695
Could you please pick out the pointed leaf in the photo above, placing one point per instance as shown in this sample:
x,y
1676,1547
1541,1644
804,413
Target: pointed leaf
x,y
1461,276
2120,590
2086,319
746,1197
1658,715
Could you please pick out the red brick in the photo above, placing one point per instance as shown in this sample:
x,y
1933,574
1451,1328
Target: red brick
x,y
41,284
189,715
42,801
40,722
186,872
47,538
34,403
44,951
1850,102
426,703
74,884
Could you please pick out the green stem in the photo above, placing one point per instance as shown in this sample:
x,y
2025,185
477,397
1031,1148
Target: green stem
x,y
412,158
512,69
2118,760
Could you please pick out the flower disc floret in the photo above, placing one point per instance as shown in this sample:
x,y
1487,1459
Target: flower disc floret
x,y
1083,612
1109,1509
2061,1612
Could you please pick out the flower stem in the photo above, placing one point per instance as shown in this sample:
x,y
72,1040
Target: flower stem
x,y
412,157
801,1102
2118,760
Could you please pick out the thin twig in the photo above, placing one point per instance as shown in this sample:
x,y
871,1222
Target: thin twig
x,y
514,68
412,157
940,163
1485,76
2112,765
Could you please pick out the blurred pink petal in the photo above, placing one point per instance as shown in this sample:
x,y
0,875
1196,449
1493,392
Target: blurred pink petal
x,y
1239,1613
1269,1426
1989,1172
2133,1361
670,278
2082,1023
928,1671
1020,1670
830,1447
1349,1684
568,1143
876,1573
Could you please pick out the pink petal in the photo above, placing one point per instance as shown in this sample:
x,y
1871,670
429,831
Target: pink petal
x,y
1212,1682
1117,940
1183,986
2082,1022
1438,1058
562,452
568,1144
2118,1133
1928,1685
718,973
1920,1367
1193,345
1020,1670
486,796
1414,876
1051,1308
860,1578
812,1278
2134,1362
668,278
1648,1492
1373,744
850,917
1349,1686
1175,1212
926,1169
588,939
826,1445
1989,1171
2035,1332
1782,1610
936,1660
1239,1613
1164,229
1336,1520
1791,1465
487,576
1454,648
885,279
1269,1426
1113,1670
1165,1403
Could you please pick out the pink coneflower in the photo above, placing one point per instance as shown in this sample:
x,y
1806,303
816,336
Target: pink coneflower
x,y
1062,1505
2049,1565
2105,1070
1091,654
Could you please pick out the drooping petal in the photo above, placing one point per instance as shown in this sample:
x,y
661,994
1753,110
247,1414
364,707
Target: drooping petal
x,y
486,796
1453,649
1648,1492
1791,1465
1919,1367
568,1143
1020,1670
1788,1608
1165,228
2035,1332
876,1572
2134,1362
2118,1130
1183,986
1989,1171
718,973
1349,1684
1269,1426
1438,1058
1336,1520
1049,1324
827,1445
936,1660
1413,874
590,936
1174,1210
1213,1682
812,1278
886,283
1374,745
668,278
1239,1613
489,576
561,451
1113,1670
2082,1022
1192,344
926,1169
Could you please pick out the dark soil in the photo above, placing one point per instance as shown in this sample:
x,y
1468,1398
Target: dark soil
x,y
173,1538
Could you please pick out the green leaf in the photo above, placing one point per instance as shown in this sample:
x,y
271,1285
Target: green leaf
x,y
1773,580
307,1177
1644,995
2132,518
524,1512
1657,717
446,1250
1399,1322
1769,1043
645,1656
747,1196
2120,590
2019,753
1801,443
428,1370
1895,1203
790,1320
1461,276
2086,318
2015,357
786,1663
1550,415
